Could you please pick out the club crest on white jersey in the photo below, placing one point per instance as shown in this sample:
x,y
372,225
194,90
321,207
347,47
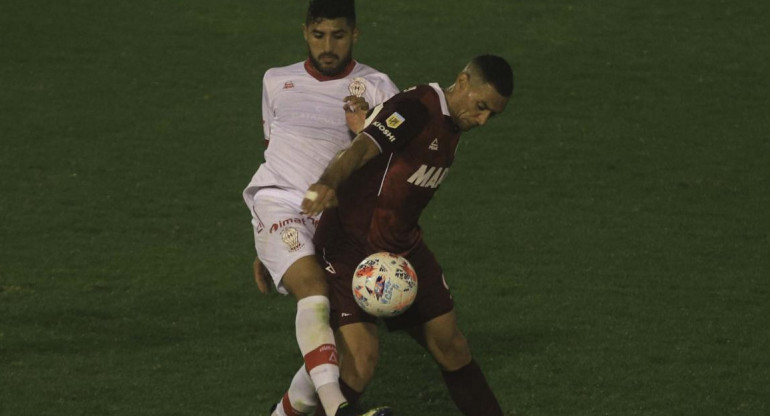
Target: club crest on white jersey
x,y
290,237
357,87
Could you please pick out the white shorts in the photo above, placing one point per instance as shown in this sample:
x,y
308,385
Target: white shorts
x,y
282,235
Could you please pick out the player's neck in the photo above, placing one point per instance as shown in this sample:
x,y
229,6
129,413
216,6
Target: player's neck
x,y
449,92
315,73
449,96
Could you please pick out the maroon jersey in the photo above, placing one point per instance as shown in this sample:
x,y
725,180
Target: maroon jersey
x,y
380,204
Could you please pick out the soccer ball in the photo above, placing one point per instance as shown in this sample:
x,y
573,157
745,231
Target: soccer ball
x,y
384,284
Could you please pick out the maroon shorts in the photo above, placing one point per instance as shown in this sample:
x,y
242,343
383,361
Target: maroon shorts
x,y
433,297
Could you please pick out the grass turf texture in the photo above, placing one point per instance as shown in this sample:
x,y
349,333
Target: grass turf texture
x,y
606,239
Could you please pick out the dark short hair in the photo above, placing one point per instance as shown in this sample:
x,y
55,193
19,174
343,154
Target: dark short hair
x,y
331,9
496,71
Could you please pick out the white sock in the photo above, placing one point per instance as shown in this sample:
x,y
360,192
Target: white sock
x,y
278,410
301,394
316,341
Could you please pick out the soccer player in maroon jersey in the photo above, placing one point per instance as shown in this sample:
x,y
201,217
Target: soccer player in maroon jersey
x,y
399,160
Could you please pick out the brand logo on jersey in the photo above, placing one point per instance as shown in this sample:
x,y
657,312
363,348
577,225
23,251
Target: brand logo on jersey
x,y
260,227
434,144
357,87
290,237
428,176
385,131
394,120
280,224
287,85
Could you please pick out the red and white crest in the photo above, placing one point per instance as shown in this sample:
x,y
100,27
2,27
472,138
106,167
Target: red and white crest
x,y
357,87
290,237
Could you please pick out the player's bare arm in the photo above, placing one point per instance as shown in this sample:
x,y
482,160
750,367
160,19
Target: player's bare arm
x,y
355,112
323,194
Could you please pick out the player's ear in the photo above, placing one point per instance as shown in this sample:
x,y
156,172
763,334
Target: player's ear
x,y
355,34
304,32
463,80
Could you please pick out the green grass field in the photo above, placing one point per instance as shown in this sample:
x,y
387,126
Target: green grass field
x,y
606,239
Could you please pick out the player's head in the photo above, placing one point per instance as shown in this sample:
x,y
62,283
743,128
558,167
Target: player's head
x,y
330,32
480,91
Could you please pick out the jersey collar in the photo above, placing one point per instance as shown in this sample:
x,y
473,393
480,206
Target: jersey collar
x,y
441,98
321,77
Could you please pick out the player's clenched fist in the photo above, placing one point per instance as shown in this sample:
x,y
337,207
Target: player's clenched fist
x,y
317,198
353,104
355,112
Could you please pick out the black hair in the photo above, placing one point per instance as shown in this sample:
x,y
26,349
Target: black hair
x,y
331,9
496,71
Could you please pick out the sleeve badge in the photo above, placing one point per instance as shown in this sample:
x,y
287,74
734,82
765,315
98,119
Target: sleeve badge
x,y
394,120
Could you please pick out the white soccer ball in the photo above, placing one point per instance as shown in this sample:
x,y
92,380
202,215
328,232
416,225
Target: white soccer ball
x,y
384,284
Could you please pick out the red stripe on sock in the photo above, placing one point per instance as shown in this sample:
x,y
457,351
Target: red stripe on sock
x,y
286,404
324,354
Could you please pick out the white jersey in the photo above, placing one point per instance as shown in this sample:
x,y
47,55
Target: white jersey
x,y
304,121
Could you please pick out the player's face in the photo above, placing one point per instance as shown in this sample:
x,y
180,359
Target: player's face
x,y
330,44
476,104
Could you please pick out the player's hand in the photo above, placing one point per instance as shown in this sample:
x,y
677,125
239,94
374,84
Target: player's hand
x,y
355,112
262,276
317,198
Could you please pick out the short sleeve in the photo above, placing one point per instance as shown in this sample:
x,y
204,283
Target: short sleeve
x,y
267,110
396,122
383,91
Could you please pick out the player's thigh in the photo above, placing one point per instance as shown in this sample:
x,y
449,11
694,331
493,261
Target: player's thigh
x,y
359,348
433,296
283,237
338,268
305,278
444,340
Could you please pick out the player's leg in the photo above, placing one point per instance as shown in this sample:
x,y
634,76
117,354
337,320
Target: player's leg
x,y
300,399
359,351
283,239
359,354
355,331
304,279
466,383
431,320
444,340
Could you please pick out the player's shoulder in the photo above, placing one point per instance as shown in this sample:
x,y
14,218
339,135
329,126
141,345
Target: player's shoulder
x,y
363,70
428,95
373,75
420,101
283,71
413,102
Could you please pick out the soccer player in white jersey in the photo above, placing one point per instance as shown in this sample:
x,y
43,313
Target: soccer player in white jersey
x,y
311,111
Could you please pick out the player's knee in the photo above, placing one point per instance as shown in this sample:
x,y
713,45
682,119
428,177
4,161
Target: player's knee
x,y
358,366
452,354
365,363
310,287
305,278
